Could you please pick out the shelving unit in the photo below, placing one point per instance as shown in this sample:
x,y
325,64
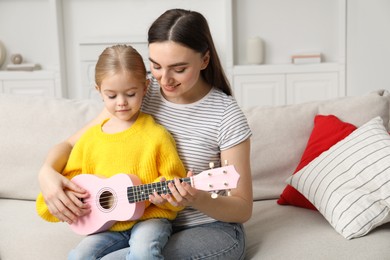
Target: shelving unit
x,y
272,85
283,84
42,83
39,40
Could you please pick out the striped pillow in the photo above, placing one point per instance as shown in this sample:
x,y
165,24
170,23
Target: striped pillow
x,y
350,183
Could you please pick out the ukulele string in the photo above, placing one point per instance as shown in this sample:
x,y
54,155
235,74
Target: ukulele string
x,y
124,196
139,194
120,196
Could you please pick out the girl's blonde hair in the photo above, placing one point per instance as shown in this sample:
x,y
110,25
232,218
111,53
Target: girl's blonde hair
x,y
119,58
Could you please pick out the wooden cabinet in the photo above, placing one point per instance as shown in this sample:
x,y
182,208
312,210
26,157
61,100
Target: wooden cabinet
x,y
304,87
278,81
253,89
36,83
273,85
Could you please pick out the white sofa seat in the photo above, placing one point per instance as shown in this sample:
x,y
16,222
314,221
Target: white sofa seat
x,y
287,232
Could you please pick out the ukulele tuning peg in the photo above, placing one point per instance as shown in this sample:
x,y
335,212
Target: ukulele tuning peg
x,y
229,193
226,162
214,195
211,165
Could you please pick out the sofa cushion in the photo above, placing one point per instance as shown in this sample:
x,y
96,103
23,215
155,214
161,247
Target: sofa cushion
x,y
276,232
21,225
30,127
280,135
327,131
350,183
358,110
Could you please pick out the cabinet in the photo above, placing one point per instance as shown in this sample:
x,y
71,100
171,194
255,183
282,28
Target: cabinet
x,y
274,85
293,27
36,83
252,89
304,87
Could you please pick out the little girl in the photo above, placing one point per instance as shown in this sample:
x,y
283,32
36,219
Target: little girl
x,y
130,141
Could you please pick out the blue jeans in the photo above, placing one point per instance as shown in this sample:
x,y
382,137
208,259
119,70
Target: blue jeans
x,y
217,240
146,239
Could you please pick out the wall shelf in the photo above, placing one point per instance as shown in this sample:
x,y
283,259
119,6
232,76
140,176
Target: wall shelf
x,y
36,74
285,68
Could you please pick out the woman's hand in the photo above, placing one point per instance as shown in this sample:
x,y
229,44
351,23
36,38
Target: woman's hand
x,y
161,199
234,208
182,194
62,196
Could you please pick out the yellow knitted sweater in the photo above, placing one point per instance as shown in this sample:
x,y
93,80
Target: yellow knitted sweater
x,y
146,149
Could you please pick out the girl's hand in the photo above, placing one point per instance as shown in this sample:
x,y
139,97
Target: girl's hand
x,y
158,199
62,197
155,198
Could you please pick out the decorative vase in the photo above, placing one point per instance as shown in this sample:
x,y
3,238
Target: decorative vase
x,y
255,50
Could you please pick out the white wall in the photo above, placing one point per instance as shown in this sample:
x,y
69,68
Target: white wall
x,y
287,27
368,46
122,19
26,27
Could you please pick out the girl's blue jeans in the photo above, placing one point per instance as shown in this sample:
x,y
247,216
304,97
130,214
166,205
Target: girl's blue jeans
x,y
217,240
146,240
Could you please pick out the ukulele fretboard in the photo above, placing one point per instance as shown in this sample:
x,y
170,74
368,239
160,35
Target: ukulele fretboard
x,y
141,192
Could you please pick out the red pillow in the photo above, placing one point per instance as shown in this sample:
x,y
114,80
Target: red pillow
x,y
328,130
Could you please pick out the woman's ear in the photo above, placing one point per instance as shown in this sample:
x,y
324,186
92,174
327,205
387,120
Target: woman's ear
x,y
206,60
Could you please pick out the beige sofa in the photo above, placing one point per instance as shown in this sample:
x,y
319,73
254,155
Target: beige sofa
x,y
31,125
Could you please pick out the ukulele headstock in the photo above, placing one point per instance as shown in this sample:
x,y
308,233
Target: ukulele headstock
x,y
214,179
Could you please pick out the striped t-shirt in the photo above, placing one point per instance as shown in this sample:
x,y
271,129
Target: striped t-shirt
x,y
201,130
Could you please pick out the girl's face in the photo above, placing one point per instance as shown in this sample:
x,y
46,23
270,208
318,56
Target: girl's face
x,y
122,94
177,70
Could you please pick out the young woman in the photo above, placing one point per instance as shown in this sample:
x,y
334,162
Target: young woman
x,y
128,141
190,96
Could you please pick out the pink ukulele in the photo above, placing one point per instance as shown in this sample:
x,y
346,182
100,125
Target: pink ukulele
x,y
121,197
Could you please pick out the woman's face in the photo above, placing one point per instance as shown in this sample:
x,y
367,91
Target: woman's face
x,y
177,70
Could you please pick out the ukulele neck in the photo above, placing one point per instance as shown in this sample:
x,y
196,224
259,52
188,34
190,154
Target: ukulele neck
x,y
141,192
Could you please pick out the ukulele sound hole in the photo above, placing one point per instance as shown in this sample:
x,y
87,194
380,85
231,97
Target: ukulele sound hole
x,y
107,200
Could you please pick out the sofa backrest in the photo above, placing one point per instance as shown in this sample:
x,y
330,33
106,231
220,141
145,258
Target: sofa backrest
x,y
29,127
280,135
